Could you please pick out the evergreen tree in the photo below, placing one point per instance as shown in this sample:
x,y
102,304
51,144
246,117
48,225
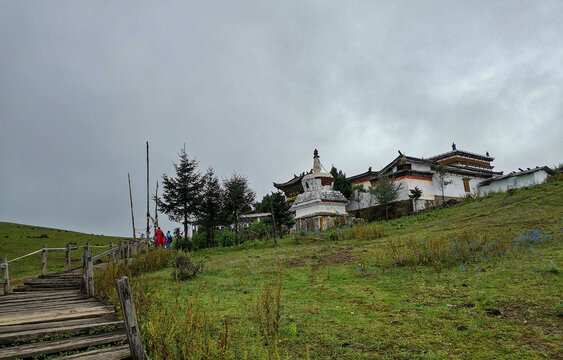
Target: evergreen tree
x,y
386,192
182,193
341,183
211,205
415,194
276,203
238,198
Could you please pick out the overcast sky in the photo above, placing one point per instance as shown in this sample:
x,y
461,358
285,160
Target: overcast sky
x,y
255,87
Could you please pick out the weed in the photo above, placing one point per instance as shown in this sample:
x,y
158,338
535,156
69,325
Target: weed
x,y
267,311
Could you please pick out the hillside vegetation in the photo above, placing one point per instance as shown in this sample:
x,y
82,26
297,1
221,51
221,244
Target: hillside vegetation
x,y
479,280
17,240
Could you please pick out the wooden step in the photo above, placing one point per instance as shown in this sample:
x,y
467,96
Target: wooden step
x,y
77,329
113,353
55,315
30,299
57,346
47,306
46,325
26,288
9,297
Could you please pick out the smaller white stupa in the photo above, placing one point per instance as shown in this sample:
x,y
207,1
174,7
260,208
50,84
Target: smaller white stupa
x,y
318,206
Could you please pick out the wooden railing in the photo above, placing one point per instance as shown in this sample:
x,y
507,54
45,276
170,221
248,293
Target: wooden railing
x,y
123,251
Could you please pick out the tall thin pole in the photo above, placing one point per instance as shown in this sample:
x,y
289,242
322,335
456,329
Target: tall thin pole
x,y
156,205
148,213
273,218
131,199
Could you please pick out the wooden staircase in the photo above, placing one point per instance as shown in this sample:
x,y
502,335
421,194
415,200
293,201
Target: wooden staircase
x,y
50,316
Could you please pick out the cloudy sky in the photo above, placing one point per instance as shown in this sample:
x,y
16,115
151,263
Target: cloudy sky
x,y
254,87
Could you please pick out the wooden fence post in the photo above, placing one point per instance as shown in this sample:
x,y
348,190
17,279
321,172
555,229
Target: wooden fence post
x,y
84,287
128,249
120,251
90,275
44,260
130,318
5,276
68,250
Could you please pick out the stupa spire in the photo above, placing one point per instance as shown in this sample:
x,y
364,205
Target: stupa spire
x,y
316,162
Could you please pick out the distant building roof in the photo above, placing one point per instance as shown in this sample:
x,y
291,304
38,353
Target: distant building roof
x,y
256,215
516,173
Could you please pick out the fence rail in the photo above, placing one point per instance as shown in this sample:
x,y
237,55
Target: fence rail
x,y
123,250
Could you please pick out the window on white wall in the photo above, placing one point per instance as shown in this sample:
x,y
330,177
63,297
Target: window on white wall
x,y
466,185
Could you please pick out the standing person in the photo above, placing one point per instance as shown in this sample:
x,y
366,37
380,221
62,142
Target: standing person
x,y
168,239
160,238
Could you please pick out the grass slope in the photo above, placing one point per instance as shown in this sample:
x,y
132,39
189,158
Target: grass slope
x,y
18,239
338,302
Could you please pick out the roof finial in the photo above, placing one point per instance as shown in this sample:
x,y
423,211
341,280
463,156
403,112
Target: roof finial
x,y
453,147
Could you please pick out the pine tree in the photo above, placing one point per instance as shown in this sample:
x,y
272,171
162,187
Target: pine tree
x,y
341,183
386,192
275,202
182,196
211,205
238,198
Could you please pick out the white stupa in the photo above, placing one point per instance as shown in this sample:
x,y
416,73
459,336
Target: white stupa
x,y
319,204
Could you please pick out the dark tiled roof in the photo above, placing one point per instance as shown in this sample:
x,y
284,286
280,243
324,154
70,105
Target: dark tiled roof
x,y
296,180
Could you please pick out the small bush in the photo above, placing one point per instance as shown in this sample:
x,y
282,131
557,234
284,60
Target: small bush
x,y
184,267
224,238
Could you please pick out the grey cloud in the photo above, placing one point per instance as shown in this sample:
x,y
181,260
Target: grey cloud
x,y
254,87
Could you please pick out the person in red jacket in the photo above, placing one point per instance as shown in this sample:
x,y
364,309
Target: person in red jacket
x,y
160,238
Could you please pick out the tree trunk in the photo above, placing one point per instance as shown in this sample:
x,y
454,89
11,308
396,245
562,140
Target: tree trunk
x,y
236,230
185,230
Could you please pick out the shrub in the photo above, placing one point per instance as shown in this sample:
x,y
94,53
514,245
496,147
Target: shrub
x,y
224,238
184,267
199,241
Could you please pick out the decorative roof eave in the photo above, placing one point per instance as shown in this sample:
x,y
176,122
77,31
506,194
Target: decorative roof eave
x,y
410,159
471,171
295,180
366,175
401,173
460,152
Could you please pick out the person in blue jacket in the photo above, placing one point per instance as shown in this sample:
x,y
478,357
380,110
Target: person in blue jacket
x,y
168,239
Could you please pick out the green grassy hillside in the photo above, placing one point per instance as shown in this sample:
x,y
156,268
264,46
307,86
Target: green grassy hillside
x,y
17,240
479,280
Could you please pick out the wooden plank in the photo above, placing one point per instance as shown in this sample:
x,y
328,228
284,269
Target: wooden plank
x,y
56,315
51,324
41,307
33,334
38,296
56,346
113,353
37,301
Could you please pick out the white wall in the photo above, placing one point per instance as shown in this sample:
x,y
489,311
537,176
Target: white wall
x,y
514,182
456,187
420,167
